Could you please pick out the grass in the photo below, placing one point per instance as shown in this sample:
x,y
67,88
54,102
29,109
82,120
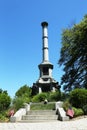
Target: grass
x,y
42,106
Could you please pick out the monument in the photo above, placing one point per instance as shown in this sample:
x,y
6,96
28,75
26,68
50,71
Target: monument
x,y
46,82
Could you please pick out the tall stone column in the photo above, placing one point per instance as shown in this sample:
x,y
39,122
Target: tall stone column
x,y
45,41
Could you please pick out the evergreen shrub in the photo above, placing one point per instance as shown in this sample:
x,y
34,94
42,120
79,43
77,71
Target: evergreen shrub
x,y
85,109
39,97
78,98
18,103
54,96
78,112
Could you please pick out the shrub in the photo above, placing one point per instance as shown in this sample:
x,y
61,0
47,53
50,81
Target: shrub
x,y
3,117
78,112
64,96
54,96
85,109
50,96
78,98
5,101
39,97
18,103
66,105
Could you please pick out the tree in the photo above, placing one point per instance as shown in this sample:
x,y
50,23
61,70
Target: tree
x,y
73,56
5,100
23,91
23,95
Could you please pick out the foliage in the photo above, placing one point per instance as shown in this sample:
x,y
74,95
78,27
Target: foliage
x,y
3,118
23,91
42,106
78,112
50,96
66,105
23,95
54,96
78,98
85,109
64,96
18,102
5,100
73,56
39,97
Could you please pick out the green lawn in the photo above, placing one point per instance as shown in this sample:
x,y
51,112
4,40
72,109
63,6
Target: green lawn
x,y
42,106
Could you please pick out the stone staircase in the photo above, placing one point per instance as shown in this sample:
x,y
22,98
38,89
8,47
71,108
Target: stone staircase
x,y
40,116
28,115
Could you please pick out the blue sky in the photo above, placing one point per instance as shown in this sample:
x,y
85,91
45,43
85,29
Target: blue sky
x,y
21,37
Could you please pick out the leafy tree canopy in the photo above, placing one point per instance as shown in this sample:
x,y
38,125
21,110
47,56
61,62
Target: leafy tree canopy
x,y
23,91
73,56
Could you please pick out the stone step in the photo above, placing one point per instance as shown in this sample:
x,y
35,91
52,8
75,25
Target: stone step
x,y
40,117
36,121
41,112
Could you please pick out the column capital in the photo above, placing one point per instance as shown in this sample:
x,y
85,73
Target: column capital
x,y
44,24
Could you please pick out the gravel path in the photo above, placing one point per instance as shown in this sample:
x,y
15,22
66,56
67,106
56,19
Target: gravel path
x,y
79,124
